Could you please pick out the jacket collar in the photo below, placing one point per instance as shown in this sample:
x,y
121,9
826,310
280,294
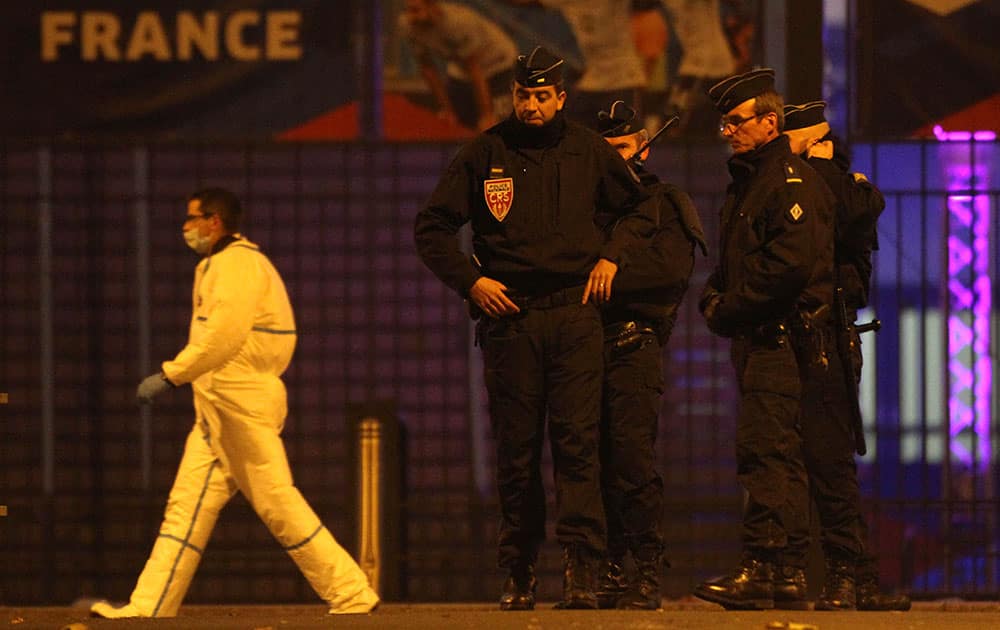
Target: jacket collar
x,y
521,136
224,242
746,164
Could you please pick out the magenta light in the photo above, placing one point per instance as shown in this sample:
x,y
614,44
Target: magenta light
x,y
963,136
970,364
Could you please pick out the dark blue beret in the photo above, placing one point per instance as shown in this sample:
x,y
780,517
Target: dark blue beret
x,y
804,115
538,69
729,93
618,121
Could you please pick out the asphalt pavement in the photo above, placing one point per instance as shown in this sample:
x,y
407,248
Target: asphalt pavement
x,y
688,614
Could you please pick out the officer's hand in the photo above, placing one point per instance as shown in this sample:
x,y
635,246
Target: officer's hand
x,y
709,298
491,297
599,282
709,309
152,386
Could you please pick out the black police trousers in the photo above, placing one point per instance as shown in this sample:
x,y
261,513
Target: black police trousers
x,y
631,486
545,364
828,447
769,459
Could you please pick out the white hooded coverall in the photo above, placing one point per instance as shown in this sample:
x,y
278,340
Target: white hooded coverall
x,y
241,339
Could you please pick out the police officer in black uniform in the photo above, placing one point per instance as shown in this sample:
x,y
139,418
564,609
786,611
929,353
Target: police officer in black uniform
x,y
531,187
637,325
831,419
773,284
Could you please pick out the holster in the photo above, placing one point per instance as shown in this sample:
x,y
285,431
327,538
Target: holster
x,y
810,331
624,337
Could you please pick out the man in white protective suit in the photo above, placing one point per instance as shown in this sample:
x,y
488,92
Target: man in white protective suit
x,y
241,339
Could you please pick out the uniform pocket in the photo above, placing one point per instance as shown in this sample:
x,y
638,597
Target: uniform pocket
x,y
773,370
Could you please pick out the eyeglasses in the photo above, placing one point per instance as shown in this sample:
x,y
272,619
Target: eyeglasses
x,y
735,122
192,217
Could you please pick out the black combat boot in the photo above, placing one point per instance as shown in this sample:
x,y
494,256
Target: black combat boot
x,y
644,592
750,587
869,597
790,588
838,589
579,579
519,588
611,581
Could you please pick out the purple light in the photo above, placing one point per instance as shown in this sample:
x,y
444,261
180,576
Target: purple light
x,y
970,365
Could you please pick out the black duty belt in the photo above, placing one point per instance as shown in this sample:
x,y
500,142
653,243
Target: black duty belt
x,y
770,333
562,297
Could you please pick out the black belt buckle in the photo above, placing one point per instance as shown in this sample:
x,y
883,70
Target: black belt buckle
x,y
772,334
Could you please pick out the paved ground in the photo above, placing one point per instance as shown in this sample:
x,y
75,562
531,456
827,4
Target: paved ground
x,y
682,614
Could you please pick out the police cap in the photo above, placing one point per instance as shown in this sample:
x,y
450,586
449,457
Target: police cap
x,y
619,121
538,68
729,93
804,115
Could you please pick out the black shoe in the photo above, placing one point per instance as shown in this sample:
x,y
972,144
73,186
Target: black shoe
x,y
519,589
644,593
790,588
869,597
838,589
750,587
611,582
579,579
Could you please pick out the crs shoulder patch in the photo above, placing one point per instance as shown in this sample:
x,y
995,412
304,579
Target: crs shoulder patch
x,y
795,214
859,177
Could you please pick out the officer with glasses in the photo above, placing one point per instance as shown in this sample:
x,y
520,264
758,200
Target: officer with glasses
x,y
772,286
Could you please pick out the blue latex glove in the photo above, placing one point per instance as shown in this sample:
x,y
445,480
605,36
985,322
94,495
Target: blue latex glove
x,y
152,386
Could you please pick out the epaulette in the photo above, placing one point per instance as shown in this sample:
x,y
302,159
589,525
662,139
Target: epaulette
x,y
792,175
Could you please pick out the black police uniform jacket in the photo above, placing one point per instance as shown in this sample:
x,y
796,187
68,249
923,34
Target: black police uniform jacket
x,y
859,205
531,196
776,246
651,285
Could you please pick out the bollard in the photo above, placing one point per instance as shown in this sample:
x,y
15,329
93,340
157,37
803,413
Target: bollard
x,y
370,513
376,477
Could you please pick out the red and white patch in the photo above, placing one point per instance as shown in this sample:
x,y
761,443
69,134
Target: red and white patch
x,y
499,195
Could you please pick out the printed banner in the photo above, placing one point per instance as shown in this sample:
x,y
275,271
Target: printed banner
x,y
170,68
287,69
452,62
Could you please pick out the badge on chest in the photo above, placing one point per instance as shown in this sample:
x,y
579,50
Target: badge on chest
x,y
499,195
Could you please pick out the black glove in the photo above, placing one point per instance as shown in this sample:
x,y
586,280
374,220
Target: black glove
x,y
151,387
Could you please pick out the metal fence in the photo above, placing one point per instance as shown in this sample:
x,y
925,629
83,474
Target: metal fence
x,y
95,289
